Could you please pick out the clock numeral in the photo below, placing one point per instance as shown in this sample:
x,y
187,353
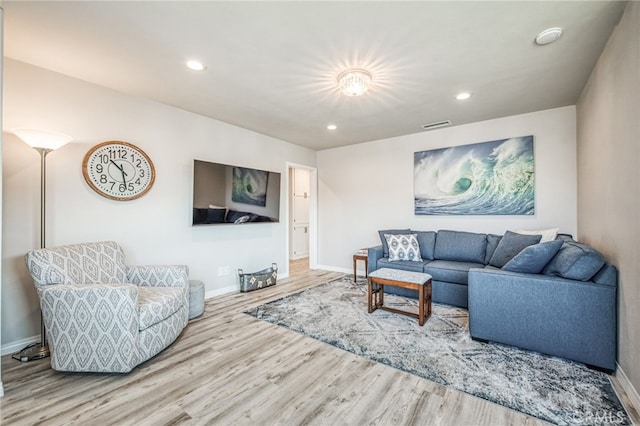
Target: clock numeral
x,y
103,178
142,173
117,154
122,187
99,168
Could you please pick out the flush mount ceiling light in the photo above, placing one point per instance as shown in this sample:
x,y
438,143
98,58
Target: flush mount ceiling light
x,y
332,127
195,65
548,36
354,82
462,96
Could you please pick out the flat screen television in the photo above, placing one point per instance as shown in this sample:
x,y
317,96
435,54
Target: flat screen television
x,y
225,194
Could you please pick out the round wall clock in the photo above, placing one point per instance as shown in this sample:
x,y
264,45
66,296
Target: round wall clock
x,y
118,170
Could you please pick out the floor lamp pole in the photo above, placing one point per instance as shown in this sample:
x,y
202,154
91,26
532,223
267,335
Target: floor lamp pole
x,y
41,350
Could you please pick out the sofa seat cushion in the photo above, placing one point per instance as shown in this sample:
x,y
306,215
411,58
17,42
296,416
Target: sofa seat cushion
x,y
460,246
155,304
450,271
405,265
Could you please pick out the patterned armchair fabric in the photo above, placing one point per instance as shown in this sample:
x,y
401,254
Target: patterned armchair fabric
x,y
101,315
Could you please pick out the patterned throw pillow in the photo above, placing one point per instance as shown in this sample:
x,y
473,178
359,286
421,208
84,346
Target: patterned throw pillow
x,y
403,247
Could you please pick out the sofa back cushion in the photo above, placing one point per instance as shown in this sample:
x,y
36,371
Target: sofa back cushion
x,y
427,243
575,261
492,242
383,240
460,246
510,245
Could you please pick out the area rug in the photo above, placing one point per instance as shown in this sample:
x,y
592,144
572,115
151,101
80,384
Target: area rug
x,y
549,388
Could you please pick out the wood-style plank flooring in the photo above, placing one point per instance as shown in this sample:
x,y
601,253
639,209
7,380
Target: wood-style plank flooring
x,y
229,368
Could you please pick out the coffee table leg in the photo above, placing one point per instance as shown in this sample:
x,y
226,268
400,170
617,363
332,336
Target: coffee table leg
x,y
370,295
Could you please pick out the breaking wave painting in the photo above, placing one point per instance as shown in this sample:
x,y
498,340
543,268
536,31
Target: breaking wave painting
x,y
488,178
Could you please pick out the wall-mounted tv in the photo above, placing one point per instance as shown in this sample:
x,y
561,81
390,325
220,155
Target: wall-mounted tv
x,y
228,194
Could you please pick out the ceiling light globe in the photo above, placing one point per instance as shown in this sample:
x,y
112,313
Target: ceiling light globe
x,y
462,96
354,82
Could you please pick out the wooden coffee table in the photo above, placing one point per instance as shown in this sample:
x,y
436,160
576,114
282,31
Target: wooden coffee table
x,y
405,279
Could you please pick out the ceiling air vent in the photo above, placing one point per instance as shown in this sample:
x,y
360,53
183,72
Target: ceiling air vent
x,y
435,125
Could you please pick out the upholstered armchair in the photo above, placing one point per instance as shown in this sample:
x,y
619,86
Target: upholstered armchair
x,y
101,315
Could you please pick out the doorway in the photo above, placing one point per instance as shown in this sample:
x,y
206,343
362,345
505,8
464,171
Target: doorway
x,y
301,218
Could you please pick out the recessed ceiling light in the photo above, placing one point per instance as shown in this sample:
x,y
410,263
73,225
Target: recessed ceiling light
x,y
549,35
462,96
195,65
332,127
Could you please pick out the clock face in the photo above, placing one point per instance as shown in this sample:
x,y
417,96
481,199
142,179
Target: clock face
x,y
118,170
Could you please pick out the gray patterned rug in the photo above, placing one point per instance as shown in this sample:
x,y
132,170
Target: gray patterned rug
x,y
549,388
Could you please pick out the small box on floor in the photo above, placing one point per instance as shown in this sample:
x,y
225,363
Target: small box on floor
x,y
256,280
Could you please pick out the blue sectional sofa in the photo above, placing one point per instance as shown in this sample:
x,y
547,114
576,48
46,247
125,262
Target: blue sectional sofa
x,y
556,297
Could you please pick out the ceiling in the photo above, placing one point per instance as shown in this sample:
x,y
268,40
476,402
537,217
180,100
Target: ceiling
x,y
272,66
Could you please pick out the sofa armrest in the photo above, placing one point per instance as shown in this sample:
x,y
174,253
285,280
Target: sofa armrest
x,y
373,254
159,275
549,314
85,323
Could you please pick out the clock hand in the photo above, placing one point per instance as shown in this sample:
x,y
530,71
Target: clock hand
x,y
121,168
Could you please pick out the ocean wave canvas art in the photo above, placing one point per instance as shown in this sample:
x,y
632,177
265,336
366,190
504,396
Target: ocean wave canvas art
x,y
487,178
249,186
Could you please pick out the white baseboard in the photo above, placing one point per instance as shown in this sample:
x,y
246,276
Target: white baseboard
x,y
18,345
232,289
334,269
221,291
628,387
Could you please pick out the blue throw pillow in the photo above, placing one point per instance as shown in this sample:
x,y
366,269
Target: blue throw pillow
x,y
510,245
533,259
575,261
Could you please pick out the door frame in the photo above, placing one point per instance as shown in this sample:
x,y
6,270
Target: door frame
x,y
313,213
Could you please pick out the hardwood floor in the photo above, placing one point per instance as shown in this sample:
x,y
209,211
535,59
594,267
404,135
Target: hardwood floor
x,y
230,368
298,266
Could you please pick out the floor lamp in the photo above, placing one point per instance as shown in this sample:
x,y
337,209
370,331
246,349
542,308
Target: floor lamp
x,y
44,142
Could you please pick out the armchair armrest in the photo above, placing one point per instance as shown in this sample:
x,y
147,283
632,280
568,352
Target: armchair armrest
x,y
91,327
159,275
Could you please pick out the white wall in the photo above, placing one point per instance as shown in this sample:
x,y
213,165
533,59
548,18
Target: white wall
x,y
367,187
154,229
609,178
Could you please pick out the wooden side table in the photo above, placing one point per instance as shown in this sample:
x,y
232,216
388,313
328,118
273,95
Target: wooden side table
x,y
362,254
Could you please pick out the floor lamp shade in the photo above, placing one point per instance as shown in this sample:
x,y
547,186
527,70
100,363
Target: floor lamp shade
x,y
43,142
42,138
